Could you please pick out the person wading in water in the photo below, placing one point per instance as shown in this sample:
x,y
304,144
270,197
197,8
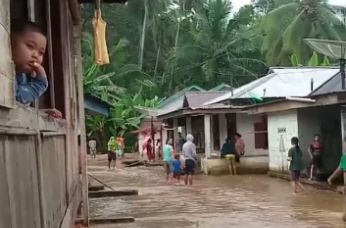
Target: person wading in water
x,y
189,151
295,159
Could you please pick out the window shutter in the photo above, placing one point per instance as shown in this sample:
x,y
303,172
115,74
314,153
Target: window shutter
x,y
261,134
7,76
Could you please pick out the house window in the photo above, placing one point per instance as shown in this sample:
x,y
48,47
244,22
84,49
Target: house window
x,y
216,132
17,11
261,133
231,124
58,56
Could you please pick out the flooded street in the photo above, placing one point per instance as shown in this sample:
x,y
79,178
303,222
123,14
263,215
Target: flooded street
x,y
227,201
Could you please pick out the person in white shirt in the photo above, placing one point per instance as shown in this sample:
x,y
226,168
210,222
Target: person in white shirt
x,y
92,147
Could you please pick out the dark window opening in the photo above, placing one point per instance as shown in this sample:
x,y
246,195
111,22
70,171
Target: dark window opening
x,y
261,134
216,132
48,15
231,119
58,81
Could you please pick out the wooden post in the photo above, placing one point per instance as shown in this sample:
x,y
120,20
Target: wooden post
x,y
188,125
161,141
153,135
175,133
344,192
207,135
83,147
222,128
343,135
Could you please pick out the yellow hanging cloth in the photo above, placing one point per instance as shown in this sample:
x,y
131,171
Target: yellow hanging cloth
x,y
100,44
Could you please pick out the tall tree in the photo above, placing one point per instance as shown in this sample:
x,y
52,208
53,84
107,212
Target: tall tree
x,y
283,30
216,48
145,19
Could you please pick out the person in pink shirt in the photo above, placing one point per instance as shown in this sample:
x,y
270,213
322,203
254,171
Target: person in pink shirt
x,y
239,146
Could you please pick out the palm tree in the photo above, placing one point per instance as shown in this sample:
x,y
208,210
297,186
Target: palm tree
x,y
284,28
215,50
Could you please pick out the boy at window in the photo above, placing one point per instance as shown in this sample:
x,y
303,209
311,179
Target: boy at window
x,y
28,48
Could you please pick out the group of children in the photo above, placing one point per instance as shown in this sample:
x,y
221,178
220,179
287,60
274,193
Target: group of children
x,y
172,163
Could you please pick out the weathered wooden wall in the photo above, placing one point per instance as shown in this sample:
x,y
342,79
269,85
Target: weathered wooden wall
x,y
6,69
41,184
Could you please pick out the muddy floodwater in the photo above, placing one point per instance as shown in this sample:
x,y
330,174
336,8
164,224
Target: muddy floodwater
x,y
213,202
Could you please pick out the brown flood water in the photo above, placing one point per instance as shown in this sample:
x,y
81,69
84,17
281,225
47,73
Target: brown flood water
x,y
213,202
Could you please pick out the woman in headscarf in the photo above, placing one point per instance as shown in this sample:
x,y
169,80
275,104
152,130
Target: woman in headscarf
x,y
112,156
227,148
189,151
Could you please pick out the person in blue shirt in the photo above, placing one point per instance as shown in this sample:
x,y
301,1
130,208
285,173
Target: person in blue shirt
x,y
28,48
167,157
176,168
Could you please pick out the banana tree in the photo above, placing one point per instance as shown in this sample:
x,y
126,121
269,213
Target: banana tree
x,y
313,61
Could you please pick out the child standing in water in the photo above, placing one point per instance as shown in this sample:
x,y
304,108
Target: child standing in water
x,y
176,168
295,158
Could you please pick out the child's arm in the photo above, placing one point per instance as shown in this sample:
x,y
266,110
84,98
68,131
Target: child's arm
x,y
289,156
30,91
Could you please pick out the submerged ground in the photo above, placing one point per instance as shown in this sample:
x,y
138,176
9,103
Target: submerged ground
x,y
213,202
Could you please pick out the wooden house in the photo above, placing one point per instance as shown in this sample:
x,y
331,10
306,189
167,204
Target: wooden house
x,y
42,160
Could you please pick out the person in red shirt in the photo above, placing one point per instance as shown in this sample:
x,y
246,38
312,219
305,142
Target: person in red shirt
x,y
315,151
149,149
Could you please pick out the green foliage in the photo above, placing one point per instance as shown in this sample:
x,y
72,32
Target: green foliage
x,y
200,42
313,61
284,28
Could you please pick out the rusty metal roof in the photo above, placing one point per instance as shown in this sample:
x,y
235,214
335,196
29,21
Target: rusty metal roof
x,y
195,100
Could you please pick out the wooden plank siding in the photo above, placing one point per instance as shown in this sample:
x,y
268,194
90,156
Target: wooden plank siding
x,y
54,178
40,159
6,66
22,179
5,209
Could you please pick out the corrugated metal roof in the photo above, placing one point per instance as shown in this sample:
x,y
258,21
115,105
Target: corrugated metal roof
x,y
222,87
95,105
176,101
282,82
179,95
331,86
195,100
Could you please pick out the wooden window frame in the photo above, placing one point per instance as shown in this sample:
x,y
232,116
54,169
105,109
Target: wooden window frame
x,y
50,13
261,133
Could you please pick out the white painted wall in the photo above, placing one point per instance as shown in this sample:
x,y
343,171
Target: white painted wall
x,y
280,142
245,126
208,136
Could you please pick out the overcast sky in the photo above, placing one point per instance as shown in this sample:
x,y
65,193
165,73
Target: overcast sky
x,y
239,3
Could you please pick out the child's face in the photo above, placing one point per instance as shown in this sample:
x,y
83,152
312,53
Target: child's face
x,y
28,48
